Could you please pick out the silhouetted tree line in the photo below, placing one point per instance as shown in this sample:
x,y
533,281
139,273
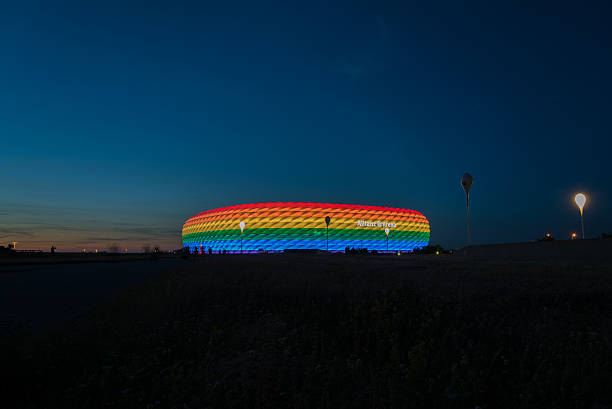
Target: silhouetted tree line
x,y
546,237
6,251
432,249
353,250
147,250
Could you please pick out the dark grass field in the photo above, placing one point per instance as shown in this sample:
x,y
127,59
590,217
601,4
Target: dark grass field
x,y
21,259
331,331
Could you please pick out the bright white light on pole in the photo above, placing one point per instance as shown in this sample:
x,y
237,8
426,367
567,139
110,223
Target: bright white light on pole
x,y
580,200
241,231
387,233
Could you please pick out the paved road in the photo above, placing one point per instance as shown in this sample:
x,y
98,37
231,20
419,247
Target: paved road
x,y
41,296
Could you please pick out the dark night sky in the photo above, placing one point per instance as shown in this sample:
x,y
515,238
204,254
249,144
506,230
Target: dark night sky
x,y
119,121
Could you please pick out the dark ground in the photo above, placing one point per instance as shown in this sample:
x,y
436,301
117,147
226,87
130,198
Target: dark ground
x,y
331,331
35,297
40,258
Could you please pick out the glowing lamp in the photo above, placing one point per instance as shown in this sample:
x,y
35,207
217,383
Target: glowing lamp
x,y
580,200
242,224
387,233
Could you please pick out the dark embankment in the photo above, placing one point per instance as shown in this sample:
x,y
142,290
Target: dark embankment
x,y
18,259
331,331
587,252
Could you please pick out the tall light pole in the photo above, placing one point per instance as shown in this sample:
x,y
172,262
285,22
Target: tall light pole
x,y
241,231
327,220
580,200
387,233
466,182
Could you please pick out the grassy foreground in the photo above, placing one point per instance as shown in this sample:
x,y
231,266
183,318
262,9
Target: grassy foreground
x,y
331,331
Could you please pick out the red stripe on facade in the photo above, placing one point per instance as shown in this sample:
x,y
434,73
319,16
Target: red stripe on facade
x,y
307,205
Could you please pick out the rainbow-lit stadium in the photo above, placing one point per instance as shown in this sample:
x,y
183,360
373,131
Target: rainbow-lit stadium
x,y
292,225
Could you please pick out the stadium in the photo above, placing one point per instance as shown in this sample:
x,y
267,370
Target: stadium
x,y
292,225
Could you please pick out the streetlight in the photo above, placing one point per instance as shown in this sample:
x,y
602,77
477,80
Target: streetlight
x,y
466,182
573,236
580,200
387,233
241,231
327,220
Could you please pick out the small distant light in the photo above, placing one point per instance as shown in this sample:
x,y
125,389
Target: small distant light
x,y
398,253
547,234
437,252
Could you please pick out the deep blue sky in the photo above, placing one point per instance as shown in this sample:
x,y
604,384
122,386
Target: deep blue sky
x,y
119,121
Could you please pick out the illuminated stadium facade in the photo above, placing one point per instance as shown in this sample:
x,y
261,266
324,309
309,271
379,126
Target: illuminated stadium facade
x,y
280,226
